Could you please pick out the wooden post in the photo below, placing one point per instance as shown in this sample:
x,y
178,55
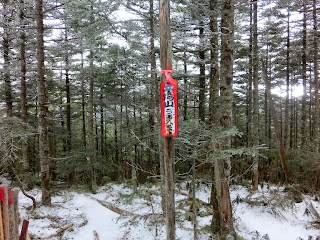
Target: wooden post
x,y
166,64
12,223
24,230
4,210
1,223
15,216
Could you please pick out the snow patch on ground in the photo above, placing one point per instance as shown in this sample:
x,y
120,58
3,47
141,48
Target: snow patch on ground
x,y
253,219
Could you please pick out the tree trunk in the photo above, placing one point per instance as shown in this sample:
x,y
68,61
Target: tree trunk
x,y
304,80
90,115
316,94
23,94
292,114
121,166
83,104
226,72
43,109
102,146
96,129
136,152
311,106
286,116
202,77
214,97
153,88
194,202
6,64
116,138
214,58
131,159
276,124
185,85
249,91
68,112
62,123
222,167
166,64
255,119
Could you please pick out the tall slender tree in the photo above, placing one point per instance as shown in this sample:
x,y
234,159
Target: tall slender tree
x,y
316,91
43,106
90,110
202,76
304,79
214,97
23,69
286,116
222,166
67,77
255,119
153,87
6,65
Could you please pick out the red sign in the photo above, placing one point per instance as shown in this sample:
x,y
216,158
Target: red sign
x,y
169,106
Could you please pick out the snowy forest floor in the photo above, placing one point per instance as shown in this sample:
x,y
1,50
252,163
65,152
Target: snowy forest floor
x,y
114,213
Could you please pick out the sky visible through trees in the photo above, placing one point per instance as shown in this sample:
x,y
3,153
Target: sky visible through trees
x,y
80,84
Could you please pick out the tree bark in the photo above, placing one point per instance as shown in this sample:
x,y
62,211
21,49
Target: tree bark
x,y
226,72
222,167
83,104
185,85
43,109
255,119
194,205
23,94
202,77
304,80
6,64
286,116
249,91
214,58
166,64
121,166
316,93
131,159
116,137
214,106
90,114
153,90
102,146
68,96
292,114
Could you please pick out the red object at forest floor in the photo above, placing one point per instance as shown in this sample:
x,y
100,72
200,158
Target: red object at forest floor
x,y
1,194
169,106
24,230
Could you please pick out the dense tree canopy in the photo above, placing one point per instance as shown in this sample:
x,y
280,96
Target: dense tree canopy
x,y
81,80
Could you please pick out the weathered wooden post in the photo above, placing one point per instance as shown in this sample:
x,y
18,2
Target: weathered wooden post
x,y
166,66
13,215
24,230
4,211
9,214
1,224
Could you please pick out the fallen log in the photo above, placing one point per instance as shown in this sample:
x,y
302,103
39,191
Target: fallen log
x,y
60,231
124,212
